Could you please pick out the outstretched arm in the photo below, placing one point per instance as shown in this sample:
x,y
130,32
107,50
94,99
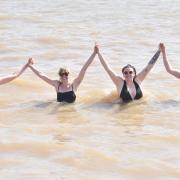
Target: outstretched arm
x,y
141,76
42,76
11,77
77,81
116,79
168,67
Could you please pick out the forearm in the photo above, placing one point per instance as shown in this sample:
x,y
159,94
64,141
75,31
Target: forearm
x,y
82,72
141,76
21,70
88,62
42,76
166,63
105,64
38,73
12,76
154,58
7,79
152,61
110,72
168,67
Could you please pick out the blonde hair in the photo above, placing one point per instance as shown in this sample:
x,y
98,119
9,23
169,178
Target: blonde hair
x,y
62,71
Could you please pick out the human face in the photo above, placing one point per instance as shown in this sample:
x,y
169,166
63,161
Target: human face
x,y
128,73
64,75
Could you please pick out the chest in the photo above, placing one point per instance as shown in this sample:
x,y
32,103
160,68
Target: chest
x,y
64,88
129,92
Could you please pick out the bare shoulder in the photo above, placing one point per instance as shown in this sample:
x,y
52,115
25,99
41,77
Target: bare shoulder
x,y
74,85
120,80
138,80
119,85
56,83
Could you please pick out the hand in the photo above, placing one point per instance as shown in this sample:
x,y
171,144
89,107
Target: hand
x,y
30,62
161,47
96,48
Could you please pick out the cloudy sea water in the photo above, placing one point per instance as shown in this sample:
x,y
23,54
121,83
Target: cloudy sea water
x,y
95,137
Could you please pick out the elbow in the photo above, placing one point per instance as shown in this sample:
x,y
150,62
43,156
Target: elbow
x,y
169,70
15,75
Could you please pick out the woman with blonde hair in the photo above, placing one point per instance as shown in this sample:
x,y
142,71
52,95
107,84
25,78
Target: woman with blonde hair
x,y
64,88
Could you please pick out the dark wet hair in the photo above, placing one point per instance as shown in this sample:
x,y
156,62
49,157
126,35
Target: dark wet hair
x,y
129,66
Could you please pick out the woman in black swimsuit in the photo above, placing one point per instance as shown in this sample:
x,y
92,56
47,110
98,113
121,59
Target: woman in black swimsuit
x,y
65,89
6,79
128,87
62,95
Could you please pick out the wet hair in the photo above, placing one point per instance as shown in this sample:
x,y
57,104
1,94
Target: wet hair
x,y
62,71
129,66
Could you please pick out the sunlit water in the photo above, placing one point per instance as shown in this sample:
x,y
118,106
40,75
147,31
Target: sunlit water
x,y
96,137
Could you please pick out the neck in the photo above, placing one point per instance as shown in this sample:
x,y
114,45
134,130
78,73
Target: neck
x,y
65,83
129,81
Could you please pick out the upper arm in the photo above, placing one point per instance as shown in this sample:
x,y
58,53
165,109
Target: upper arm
x,y
43,76
114,77
48,80
110,72
77,81
141,76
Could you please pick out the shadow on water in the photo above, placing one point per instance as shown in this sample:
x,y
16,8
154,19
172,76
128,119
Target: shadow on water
x,y
50,104
115,105
171,105
43,104
61,110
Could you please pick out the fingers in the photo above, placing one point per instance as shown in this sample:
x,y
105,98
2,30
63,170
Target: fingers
x,y
96,47
30,62
161,47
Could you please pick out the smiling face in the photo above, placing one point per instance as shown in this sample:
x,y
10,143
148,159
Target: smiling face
x,y
63,73
64,76
129,72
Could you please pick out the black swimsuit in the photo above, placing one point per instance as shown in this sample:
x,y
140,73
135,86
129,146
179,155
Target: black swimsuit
x,y
68,96
125,95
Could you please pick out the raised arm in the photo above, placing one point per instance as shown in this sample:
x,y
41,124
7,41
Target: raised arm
x,y
141,76
42,76
77,81
167,65
13,76
115,78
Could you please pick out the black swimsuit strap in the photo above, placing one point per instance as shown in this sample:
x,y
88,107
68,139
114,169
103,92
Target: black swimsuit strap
x,y
136,84
59,86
